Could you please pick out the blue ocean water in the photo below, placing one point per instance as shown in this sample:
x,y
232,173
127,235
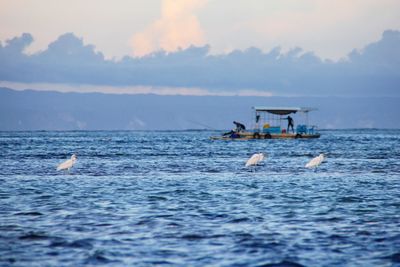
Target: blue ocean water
x,y
180,199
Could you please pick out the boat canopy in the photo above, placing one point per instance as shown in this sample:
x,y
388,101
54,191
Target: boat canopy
x,y
282,110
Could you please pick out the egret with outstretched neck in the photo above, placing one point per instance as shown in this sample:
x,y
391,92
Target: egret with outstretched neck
x,y
67,165
255,159
315,162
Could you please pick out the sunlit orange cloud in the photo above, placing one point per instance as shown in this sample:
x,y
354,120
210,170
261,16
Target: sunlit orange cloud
x,y
157,90
177,28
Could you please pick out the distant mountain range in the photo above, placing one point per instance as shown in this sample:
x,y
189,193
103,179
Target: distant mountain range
x,y
45,110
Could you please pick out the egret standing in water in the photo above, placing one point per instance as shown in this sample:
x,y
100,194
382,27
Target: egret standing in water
x,y
315,162
67,165
255,159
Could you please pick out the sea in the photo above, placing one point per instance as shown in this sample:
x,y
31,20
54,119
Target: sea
x,y
178,198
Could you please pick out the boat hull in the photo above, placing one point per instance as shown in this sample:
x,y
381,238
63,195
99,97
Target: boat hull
x,y
250,136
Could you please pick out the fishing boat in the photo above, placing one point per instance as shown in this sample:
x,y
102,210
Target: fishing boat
x,y
271,122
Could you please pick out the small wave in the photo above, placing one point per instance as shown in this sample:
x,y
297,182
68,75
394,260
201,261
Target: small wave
x,y
350,199
157,198
395,257
159,262
329,219
98,257
282,264
240,220
193,237
363,233
33,236
81,243
29,213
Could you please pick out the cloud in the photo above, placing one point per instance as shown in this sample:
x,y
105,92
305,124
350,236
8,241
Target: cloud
x,y
385,52
69,48
371,71
17,45
326,27
178,28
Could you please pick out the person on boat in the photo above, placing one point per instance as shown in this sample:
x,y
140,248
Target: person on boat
x,y
234,132
239,126
290,123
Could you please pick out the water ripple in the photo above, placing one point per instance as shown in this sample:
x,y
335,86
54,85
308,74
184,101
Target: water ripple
x,y
180,199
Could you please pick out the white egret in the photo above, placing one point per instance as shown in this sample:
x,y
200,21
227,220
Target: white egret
x,y
255,159
67,165
315,162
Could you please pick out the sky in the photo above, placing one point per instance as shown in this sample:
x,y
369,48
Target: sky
x,y
202,47
331,29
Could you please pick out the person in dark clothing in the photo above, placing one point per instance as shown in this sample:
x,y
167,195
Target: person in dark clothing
x,y
290,123
239,126
234,133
